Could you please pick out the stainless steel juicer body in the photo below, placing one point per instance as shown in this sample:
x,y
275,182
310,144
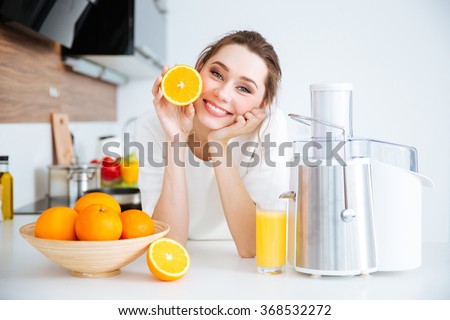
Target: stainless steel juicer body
x,y
330,218
324,237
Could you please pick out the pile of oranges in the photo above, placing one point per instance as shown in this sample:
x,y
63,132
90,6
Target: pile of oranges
x,y
97,216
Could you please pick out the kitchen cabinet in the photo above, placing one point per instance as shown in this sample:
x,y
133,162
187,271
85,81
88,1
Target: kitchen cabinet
x,y
149,44
34,83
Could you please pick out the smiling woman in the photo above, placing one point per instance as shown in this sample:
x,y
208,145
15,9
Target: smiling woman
x,y
216,169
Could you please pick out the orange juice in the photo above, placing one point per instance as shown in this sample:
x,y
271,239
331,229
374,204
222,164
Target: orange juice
x,y
270,240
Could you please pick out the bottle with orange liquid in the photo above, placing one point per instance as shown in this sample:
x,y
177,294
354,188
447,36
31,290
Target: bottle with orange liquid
x,y
6,182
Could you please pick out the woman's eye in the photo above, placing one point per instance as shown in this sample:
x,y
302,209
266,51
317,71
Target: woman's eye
x,y
244,89
216,74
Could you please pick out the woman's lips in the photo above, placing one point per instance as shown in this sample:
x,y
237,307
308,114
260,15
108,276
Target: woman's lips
x,y
215,111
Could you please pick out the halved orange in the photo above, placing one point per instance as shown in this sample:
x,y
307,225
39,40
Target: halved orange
x,y
167,259
181,85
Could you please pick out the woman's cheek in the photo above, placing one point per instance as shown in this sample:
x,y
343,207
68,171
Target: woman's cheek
x,y
208,83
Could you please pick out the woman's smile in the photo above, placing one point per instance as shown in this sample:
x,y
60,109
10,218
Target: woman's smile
x,y
215,110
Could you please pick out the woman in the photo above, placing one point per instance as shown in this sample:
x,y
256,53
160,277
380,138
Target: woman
x,y
212,179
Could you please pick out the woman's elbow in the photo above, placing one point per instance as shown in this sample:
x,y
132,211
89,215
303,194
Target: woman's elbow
x,y
246,252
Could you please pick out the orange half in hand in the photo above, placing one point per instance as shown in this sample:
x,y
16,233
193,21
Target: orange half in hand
x,y
181,85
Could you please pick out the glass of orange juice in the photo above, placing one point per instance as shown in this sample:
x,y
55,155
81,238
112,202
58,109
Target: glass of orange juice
x,y
271,236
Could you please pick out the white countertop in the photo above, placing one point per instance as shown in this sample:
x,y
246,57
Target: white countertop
x,y
216,272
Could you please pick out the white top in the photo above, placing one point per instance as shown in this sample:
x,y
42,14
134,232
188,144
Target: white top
x,y
262,179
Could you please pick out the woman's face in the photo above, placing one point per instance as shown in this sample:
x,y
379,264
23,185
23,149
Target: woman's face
x,y
233,84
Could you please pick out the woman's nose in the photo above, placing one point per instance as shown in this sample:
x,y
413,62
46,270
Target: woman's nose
x,y
223,93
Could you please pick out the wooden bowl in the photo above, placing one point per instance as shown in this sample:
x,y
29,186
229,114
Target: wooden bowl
x,y
93,259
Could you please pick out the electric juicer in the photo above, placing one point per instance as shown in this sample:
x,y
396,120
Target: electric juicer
x,y
354,203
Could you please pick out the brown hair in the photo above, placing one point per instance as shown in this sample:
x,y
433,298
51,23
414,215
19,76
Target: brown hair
x,y
257,44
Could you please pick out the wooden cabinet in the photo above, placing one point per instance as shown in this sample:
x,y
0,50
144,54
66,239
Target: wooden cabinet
x,y
34,83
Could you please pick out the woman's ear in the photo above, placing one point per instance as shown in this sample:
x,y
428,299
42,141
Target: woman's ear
x,y
264,104
199,66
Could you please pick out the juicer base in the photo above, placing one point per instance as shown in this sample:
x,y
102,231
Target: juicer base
x,y
317,273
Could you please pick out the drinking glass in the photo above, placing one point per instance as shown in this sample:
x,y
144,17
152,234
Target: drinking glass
x,y
271,236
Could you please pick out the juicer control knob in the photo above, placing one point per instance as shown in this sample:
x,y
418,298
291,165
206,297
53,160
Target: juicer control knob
x,y
348,215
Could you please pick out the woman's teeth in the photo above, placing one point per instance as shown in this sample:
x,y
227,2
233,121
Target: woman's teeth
x,y
215,109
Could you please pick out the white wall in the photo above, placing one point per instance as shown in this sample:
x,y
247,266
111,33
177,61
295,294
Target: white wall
x,y
396,53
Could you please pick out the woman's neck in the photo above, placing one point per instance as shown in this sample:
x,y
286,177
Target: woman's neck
x,y
198,140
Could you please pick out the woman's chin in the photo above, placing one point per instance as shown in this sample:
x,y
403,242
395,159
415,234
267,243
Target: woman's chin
x,y
214,123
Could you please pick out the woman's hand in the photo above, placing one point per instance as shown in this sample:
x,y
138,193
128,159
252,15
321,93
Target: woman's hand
x,y
245,123
174,120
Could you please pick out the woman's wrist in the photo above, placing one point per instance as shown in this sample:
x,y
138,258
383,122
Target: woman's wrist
x,y
218,141
178,137
217,150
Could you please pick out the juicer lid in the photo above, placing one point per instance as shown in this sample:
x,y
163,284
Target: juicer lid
x,y
331,87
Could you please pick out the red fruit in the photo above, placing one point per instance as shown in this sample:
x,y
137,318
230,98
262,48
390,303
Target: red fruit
x,y
110,169
109,162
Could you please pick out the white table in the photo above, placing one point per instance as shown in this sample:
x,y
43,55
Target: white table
x,y
217,272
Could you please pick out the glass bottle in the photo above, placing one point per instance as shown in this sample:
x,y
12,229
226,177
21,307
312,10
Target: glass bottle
x,y
6,180
1,198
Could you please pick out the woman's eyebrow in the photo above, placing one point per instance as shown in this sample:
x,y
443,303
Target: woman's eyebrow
x,y
249,80
221,64
227,69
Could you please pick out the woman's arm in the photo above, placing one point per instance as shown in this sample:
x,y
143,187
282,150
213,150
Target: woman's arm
x,y
172,206
177,122
239,208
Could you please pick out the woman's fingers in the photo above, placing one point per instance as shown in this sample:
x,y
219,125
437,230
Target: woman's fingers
x,y
157,98
257,113
248,121
243,124
253,117
240,122
249,116
157,84
190,111
174,120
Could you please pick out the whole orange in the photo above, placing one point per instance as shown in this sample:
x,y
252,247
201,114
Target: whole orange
x,y
135,224
96,198
98,222
57,223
